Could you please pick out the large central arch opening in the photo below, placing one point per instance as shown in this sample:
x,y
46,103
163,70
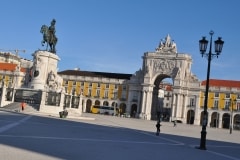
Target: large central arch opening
x,y
162,98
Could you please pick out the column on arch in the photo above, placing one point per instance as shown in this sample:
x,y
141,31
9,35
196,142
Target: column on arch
x,y
148,104
220,120
84,108
174,107
177,105
143,102
209,118
197,111
184,105
139,107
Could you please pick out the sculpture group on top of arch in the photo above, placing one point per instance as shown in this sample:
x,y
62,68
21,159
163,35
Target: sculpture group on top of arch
x,y
167,46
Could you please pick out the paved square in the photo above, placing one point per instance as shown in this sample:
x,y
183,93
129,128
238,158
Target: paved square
x,y
99,137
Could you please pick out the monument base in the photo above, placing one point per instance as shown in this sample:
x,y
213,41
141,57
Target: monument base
x,y
44,63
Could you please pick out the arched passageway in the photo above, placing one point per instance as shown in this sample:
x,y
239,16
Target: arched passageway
x,y
226,120
236,122
105,103
160,107
133,110
214,120
88,106
190,116
97,102
122,108
164,63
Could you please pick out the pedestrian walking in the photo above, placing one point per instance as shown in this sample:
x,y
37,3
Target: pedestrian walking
x,y
174,123
22,106
158,125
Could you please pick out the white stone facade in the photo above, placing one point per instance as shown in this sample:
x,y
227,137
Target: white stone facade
x,y
165,62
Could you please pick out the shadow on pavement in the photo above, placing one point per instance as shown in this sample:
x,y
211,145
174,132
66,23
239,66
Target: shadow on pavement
x,y
55,138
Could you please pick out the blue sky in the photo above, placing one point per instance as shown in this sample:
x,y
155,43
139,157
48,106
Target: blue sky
x,y
112,35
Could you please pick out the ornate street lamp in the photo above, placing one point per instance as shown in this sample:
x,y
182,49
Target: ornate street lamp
x,y
218,49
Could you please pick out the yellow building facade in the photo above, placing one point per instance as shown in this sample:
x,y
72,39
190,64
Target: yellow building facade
x,y
223,103
100,88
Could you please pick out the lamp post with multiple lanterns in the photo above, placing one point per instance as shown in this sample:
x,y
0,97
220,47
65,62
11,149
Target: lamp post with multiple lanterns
x,y
218,49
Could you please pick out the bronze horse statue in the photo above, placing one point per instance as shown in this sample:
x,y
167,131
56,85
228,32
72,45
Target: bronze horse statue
x,y
49,37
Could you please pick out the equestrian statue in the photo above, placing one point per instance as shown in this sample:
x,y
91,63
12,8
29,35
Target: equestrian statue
x,y
49,36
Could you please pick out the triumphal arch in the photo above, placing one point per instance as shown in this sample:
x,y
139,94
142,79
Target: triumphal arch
x,y
166,62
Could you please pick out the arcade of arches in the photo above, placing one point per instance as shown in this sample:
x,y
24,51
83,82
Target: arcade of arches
x,y
222,120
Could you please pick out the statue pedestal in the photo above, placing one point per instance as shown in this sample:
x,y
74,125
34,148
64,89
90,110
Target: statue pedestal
x,y
44,62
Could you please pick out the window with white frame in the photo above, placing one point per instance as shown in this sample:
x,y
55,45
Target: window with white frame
x,y
73,91
105,94
98,93
192,102
216,103
89,92
216,95
115,94
238,96
227,104
74,82
66,82
135,96
124,94
238,106
107,85
227,95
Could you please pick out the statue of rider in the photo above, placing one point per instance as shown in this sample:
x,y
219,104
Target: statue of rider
x,y
52,35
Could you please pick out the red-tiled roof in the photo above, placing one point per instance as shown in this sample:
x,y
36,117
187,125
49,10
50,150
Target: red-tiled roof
x,y
222,83
10,67
168,88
